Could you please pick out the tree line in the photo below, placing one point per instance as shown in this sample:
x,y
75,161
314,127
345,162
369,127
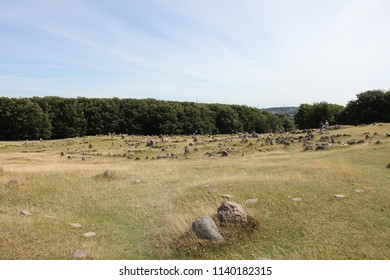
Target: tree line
x,y
56,117
369,107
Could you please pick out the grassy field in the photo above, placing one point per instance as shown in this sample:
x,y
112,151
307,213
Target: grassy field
x,y
144,206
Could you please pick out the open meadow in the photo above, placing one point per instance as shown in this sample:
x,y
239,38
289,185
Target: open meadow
x,y
307,196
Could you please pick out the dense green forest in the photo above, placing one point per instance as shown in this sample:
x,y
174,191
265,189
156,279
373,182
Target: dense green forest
x,y
56,117
369,107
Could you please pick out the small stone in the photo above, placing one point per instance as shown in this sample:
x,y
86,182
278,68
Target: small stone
x,y
225,154
75,225
150,143
226,196
339,195
83,158
109,174
48,216
25,213
80,254
137,181
359,190
296,199
89,234
251,200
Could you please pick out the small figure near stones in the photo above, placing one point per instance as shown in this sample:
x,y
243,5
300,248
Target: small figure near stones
x,y
326,126
322,126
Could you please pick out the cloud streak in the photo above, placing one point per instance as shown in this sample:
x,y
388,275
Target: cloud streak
x,y
251,52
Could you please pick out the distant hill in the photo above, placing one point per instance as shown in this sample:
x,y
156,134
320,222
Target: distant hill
x,y
282,110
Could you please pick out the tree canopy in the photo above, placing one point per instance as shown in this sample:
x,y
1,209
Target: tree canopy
x,y
369,107
311,115
56,117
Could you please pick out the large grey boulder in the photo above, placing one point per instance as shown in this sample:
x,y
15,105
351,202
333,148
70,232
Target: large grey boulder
x,y
231,213
205,228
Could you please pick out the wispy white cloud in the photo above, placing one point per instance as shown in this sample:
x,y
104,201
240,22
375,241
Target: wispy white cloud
x,y
251,52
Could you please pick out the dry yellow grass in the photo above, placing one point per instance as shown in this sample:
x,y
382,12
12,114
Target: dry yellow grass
x,y
145,210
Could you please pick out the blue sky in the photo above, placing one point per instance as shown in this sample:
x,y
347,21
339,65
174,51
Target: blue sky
x,y
250,52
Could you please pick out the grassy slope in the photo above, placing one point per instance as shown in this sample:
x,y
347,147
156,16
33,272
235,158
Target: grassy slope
x,y
151,219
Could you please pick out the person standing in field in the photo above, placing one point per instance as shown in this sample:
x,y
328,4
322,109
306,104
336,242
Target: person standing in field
x,y
321,126
326,126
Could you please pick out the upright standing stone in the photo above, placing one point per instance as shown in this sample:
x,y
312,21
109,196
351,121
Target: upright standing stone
x,y
232,213
205,228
